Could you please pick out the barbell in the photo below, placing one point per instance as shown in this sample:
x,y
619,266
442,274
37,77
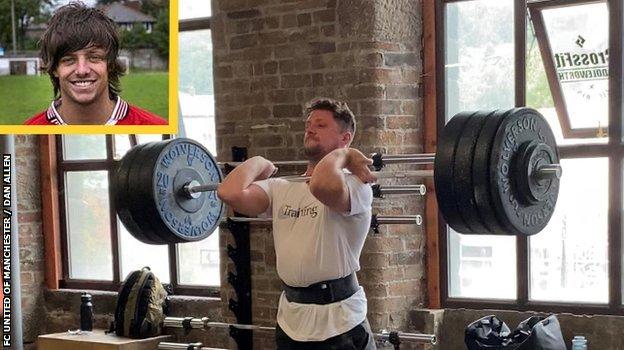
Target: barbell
x,y
165,192
189,323
495,172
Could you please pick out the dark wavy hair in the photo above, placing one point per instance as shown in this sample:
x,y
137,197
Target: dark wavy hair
x,y
341,111
75,27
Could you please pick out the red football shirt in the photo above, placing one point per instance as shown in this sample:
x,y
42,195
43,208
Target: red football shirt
x,y
123,114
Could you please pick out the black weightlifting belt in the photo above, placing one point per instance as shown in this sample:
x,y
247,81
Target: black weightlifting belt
x,y
324,292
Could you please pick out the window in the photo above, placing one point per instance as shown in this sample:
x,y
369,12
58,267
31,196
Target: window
x,y
98,252
494,54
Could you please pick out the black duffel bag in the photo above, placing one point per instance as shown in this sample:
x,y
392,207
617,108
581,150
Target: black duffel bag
x,y
488,332
534,333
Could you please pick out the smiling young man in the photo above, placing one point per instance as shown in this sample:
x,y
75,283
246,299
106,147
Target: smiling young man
x,y
319,229
79,51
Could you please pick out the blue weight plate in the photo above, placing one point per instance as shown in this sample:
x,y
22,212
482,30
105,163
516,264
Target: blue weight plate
x,y
185,219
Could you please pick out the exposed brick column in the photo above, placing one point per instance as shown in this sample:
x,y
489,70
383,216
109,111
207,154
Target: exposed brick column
x,y
272,56
30,235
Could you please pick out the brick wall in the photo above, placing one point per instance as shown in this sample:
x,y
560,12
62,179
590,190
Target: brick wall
x,y
30,236
270,57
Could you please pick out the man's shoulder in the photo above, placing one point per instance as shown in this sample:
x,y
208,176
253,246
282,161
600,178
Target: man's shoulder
x,y
38,119
138,116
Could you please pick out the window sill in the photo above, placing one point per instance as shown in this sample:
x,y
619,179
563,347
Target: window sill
x,y
104,302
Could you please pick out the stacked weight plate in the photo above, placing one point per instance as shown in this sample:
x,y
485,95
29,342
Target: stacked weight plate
x,y
487,174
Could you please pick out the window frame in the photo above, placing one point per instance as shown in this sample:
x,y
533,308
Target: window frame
x,y
434,99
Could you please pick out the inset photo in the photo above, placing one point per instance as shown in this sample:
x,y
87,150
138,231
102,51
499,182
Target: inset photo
x,y
92,64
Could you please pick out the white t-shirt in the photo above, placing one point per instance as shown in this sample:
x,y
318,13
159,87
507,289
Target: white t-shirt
x,y
314,243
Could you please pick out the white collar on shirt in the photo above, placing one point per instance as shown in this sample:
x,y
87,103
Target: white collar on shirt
x,y
119,112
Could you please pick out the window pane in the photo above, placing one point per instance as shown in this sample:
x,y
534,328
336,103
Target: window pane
x,y
568,259
122,145
122,142
194,9
479,74
135,255
538,93
145,138
77,147
579,39
479,63
199,261
540,97
195,88
88,225
482,267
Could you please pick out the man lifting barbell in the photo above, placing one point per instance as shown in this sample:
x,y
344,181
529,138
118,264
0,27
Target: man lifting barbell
x,y
496,172
319,228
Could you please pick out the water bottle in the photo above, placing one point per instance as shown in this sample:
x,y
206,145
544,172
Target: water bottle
x,y
86,312
579,343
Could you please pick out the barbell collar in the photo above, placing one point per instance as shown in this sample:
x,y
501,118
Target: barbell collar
x,y
194,189
548,171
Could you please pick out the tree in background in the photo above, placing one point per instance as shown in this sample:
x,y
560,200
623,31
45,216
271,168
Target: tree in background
x,y
160,34
26,13
138,38
159,9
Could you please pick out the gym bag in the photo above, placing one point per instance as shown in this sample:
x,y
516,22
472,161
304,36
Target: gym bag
x,y
141,306
534,333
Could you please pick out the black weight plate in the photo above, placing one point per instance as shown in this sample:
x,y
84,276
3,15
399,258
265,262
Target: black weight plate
x,y
138,183
481,173
122,199
462,175
143,175
191,221
443,169
134,193
518,127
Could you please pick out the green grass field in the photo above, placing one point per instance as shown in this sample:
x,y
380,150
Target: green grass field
x,y
24,96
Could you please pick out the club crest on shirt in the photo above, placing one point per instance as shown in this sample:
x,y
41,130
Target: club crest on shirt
x,y
286,211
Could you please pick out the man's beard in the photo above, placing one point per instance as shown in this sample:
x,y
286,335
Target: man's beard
x,y
313,153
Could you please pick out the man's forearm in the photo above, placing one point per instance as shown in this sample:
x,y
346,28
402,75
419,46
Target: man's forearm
x,y
242,177
328,181
328,172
